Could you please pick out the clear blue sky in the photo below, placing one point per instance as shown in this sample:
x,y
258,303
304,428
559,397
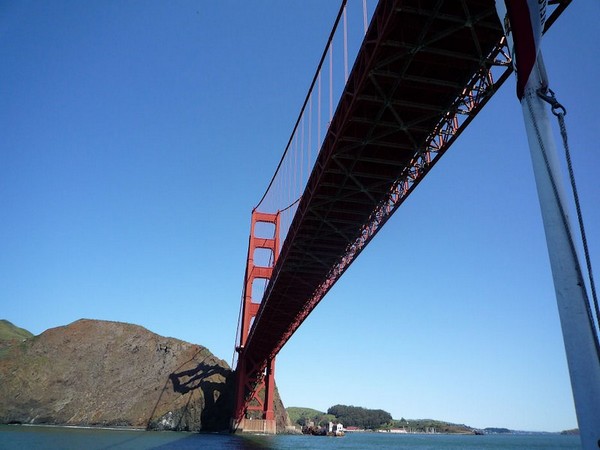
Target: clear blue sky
x,y
135,138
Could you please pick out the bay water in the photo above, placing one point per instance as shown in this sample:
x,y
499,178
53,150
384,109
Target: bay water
x,y
54,438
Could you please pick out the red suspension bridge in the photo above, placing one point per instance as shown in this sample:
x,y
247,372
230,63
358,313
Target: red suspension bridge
x,y
422,72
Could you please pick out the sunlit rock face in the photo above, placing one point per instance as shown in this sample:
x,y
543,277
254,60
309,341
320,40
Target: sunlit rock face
x,y
98,373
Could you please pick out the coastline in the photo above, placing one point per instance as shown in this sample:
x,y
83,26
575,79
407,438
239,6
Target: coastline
x,y
77,427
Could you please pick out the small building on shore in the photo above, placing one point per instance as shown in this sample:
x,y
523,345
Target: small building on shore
x,y
335,429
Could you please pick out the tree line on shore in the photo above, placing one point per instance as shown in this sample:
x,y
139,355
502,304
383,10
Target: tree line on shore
x,y
369,419
349,416
356,416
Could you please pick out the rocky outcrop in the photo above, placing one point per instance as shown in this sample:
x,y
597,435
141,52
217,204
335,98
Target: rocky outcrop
x,y
102,373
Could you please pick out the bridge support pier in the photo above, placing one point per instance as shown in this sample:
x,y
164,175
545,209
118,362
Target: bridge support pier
x,y
255,380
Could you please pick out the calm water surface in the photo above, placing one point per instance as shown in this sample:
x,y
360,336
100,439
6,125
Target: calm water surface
x,y
54,438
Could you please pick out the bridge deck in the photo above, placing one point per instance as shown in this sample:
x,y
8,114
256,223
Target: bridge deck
x,y
415,61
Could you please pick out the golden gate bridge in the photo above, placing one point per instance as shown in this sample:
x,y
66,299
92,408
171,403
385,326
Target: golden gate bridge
x,y
421,73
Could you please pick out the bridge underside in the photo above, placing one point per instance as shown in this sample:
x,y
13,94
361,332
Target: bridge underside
x,y
424,71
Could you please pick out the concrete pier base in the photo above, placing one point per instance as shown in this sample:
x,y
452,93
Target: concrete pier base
x,y
265,426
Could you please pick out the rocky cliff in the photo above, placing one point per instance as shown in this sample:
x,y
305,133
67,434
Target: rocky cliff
x,y
115,374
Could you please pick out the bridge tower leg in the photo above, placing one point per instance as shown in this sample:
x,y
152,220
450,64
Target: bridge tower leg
x,y
255,380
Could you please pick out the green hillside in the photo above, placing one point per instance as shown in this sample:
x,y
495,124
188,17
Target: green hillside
x,y
301,416
8,331
372,419
426,425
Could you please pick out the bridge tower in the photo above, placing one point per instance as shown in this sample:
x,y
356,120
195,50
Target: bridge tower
x,y
255,380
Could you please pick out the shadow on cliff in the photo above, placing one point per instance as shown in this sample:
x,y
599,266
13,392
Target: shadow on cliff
x,y
217,397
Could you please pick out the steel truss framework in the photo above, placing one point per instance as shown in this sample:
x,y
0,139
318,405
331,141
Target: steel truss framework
x,y
424,71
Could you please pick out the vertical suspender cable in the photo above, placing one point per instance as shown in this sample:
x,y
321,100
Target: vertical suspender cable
x,y
319,114
295,167
365,15
317,74
302,156
309,161
345,45
289,179
330,82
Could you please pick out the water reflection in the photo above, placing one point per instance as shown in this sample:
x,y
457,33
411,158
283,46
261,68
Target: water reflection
x,y
55,438
220,441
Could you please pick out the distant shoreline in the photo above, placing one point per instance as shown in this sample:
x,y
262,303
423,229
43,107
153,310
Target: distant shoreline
x,y
77,427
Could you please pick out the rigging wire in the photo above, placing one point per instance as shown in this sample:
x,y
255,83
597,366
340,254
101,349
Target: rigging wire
x,y
560,112
562,212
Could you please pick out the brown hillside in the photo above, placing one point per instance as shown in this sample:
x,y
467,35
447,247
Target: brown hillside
x,y
114,374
